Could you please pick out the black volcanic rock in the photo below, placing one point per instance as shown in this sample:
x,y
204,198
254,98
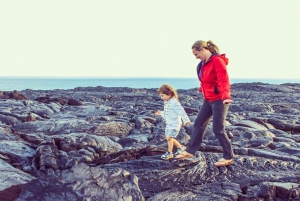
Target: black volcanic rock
x,y
82,182
105,143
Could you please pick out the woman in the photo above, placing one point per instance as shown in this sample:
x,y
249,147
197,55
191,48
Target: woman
x,y
215,88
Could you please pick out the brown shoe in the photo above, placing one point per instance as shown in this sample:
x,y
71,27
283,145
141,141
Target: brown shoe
x,y
223,162
184,155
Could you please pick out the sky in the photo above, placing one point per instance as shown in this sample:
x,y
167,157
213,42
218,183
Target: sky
x,y
138,38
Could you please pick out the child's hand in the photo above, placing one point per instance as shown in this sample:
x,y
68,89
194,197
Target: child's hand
x,y
157,113
187,123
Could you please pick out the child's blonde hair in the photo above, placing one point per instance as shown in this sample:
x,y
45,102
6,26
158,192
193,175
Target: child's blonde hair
x,y
168,90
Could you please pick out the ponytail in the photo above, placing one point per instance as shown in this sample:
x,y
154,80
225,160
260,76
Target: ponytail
x,y
212,47
209,45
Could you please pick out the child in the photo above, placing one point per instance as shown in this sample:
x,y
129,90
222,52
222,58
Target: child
x,y
172,114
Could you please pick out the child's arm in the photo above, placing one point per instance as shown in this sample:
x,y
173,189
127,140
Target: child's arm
x,y
158,113
180,111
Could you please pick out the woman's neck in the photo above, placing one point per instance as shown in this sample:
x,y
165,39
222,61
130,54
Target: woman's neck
x,y
207,56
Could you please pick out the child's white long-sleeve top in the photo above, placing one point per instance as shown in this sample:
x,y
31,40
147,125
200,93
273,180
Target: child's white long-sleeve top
x,y
173,113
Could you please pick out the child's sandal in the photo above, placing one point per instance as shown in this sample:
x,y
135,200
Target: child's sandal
x,y
223,162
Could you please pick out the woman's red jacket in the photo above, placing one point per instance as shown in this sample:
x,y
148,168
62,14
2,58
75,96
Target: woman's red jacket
x,y
214,80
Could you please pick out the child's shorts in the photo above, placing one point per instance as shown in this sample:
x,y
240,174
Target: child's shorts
x,y
171,132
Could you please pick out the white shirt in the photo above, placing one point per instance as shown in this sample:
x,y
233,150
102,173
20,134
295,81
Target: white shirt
x,y
173,113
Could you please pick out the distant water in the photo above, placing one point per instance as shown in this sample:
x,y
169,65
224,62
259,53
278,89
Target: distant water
x,y
50,83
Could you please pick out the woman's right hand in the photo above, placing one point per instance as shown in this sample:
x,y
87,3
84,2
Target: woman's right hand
x,y
227,101
157,113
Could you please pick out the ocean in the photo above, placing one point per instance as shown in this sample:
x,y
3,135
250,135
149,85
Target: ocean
x,y
50,83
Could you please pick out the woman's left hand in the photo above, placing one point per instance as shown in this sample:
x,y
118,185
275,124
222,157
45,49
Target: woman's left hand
x,y
227,101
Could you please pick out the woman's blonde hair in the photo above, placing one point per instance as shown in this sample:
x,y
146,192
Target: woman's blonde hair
x,y
209,45
168,90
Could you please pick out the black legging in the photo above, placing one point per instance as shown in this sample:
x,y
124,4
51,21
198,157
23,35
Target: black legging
x,y
218,110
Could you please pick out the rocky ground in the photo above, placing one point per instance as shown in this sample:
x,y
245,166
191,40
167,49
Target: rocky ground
x,y
101,143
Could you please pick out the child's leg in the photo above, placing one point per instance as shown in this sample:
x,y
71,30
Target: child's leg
x,y
168,155
170,144
176,143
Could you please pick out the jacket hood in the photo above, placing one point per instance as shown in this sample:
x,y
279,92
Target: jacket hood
x,y
201,63
223,56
